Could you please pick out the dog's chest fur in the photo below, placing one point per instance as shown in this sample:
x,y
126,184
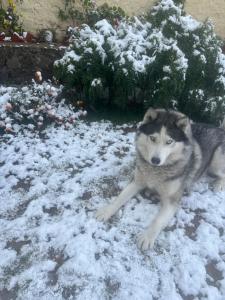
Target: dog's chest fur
x,y
165,180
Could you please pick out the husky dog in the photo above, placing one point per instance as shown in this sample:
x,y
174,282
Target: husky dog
x,y
172,153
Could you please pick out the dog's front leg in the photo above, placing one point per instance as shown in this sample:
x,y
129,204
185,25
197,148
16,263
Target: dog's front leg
x,y
104,213
147,238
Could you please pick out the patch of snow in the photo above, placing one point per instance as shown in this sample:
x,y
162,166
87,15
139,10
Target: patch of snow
x,y
189,23
105,27
96,82
167,69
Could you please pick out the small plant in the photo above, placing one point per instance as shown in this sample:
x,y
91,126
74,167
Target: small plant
x,y
34,107
9,19
86,11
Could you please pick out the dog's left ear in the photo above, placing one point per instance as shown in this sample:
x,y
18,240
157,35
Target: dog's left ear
x,y
150,115
184,124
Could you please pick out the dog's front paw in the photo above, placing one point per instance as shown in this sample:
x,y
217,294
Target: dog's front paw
x,y
145,240
104,213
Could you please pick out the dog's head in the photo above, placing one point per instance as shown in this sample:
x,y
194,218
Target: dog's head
x,y
162,136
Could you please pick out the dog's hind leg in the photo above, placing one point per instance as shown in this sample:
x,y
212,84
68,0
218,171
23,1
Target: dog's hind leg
x,y
217,168
104,213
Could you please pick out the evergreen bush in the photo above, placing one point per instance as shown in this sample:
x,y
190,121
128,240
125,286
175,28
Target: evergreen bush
x,y
164,59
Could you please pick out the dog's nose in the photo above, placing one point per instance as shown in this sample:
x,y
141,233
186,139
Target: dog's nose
x,y
155,161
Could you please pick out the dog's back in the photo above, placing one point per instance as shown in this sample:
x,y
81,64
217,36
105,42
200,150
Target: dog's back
x,y
209,138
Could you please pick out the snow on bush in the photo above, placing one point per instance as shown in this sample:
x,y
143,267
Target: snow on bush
x,y
34,107
166,58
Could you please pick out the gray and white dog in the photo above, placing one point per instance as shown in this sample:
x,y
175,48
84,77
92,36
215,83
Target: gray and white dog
x,y
172,153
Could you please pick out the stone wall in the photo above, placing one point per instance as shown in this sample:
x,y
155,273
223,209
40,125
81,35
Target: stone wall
x,y
18,63
39,14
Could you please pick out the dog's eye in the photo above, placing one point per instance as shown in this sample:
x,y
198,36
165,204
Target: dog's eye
x,y
152,138
169,142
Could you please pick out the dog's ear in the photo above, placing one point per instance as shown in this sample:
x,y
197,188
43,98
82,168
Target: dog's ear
x,y
183,123
150,116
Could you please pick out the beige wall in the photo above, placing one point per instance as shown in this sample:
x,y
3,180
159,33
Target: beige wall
x,y
213,9
200,9
130,6
37,14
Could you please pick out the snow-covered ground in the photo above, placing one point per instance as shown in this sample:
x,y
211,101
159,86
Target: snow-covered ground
x,y
51,246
